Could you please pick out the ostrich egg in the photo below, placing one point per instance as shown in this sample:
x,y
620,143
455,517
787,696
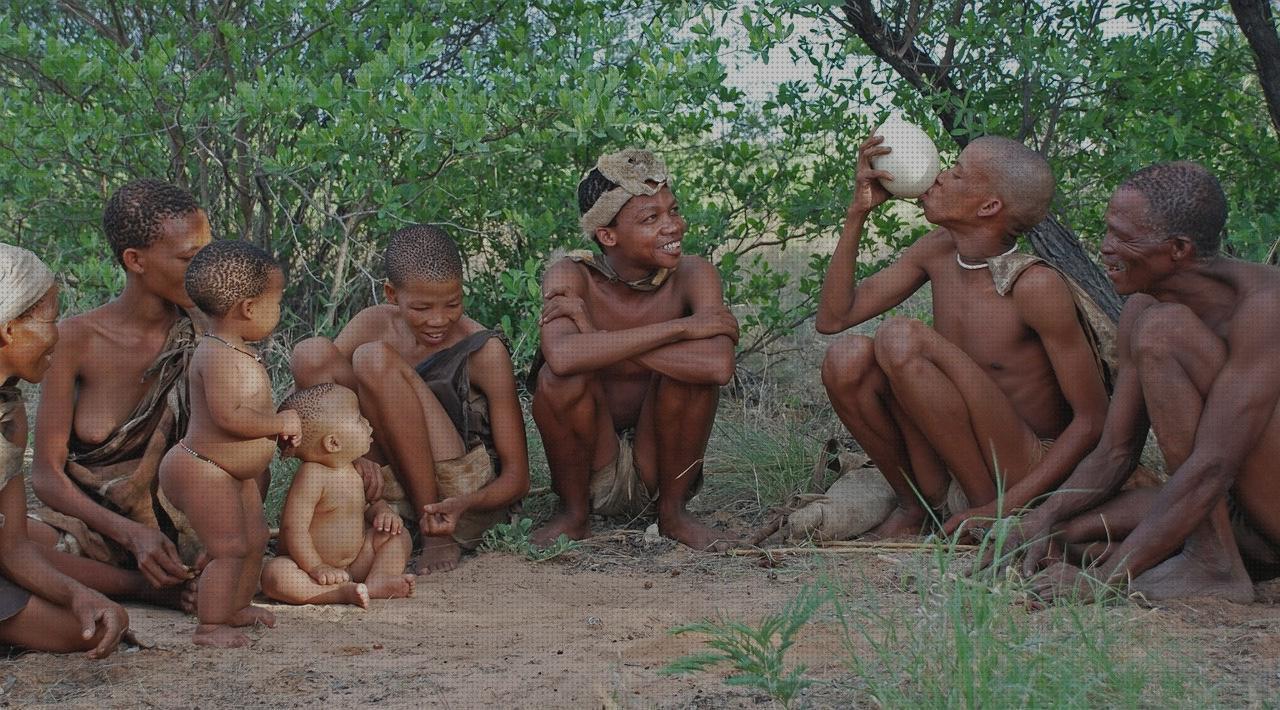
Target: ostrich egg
x,y
913,162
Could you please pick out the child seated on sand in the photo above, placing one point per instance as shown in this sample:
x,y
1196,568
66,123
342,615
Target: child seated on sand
x,y
213,474
334,548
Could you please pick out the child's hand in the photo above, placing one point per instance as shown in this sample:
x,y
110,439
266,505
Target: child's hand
x,y
324,574
290,427
386,520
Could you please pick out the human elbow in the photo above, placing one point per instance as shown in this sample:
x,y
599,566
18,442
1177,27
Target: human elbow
x,y
827,324
723,366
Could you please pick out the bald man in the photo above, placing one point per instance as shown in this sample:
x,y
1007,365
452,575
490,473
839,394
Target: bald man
x,y
1005,390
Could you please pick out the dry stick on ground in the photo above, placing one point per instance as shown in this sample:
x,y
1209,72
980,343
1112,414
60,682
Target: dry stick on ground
x,y
849,547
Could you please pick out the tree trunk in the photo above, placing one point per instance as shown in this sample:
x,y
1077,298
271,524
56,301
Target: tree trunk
x,y
1259,27
1056,244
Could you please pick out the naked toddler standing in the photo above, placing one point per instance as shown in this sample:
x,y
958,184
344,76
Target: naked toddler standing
x,y
214,474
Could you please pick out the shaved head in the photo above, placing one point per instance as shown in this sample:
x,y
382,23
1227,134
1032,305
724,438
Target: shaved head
x,y
1020,177
422,252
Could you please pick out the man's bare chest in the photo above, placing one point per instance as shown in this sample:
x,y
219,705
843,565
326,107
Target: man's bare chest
x,y
611,310
981,322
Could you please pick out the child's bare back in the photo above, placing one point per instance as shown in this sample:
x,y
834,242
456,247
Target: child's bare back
x,y
336,550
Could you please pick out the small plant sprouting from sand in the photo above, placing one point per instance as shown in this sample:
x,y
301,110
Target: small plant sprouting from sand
x,y
757,653
515,538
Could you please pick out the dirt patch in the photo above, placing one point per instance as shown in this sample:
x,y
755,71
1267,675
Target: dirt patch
x,y
591,630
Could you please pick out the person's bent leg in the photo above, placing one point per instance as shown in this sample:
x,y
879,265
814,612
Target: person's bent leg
x,y
860,394
381,565
413,431
671,444
1178,358
577,434
44,626
965,416
284,581
317,361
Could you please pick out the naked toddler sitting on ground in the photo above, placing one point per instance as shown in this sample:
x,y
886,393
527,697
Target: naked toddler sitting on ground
x,y
335,549
217,473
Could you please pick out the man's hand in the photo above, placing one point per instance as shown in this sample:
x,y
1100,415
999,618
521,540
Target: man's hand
x,y
290,427
324,574
441,519
700,326
371,472
93,610
1062,581
868,193
560,303
386,520
157,557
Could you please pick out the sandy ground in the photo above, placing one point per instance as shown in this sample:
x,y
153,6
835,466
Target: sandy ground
x,y
588,631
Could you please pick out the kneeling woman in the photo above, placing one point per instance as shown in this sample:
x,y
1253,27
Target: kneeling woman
x,y
40,608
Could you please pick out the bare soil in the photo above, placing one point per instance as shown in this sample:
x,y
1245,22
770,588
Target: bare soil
x,y
588,630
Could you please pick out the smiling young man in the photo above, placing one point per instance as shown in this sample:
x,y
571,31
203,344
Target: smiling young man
x,y
440,392
115,397
1006,389
637,342
1197,343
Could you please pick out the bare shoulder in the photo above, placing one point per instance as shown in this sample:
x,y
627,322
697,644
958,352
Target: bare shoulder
x,y
373,323
1038,283
938,244
308,480
565,273
1258,312
697,275
491,364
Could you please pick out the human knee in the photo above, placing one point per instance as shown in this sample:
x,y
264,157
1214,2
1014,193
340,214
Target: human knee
x,y
557,389
311,359
898,342
373,362
1160,331
235,547
847,362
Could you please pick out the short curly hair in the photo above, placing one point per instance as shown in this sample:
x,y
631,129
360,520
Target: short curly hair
x,y
309,403
1185,200
226,272
422,251
135,212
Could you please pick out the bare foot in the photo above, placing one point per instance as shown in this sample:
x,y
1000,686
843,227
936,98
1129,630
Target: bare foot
x,y
357,594
901,523
439,554
686,529
219,636
187,595
1183,575
396,586
251,615
571,526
